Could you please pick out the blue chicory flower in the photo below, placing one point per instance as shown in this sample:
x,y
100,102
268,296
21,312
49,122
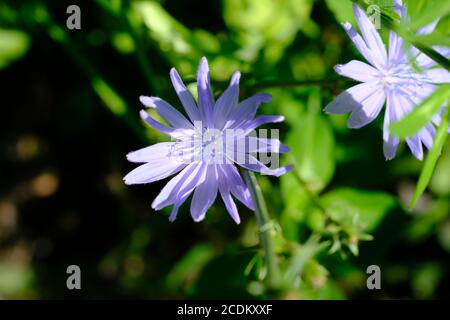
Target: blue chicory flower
x,y
205,147
389,78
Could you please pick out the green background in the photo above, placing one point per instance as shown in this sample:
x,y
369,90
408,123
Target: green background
x,y
69,102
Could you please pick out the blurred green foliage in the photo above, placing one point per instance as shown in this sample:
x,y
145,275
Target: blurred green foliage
x,y
13,45
62,200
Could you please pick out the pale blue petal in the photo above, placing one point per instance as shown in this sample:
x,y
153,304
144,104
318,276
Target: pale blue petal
x,y
439,75
205,194
180,185
428,29
185,96
169,113
225,192
153,171
205,97
186,189
390,142
416,91
438,118
397,52
246,110
352,98
251,125
227,102
403,105
396,49
416,95
172,132
368,110
268,145
371,36
415,145
238,188
156,151
249,162
427,135
399,8
358,71
425,61
360,44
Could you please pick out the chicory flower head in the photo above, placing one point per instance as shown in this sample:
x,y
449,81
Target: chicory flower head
x,y
206,145
389,78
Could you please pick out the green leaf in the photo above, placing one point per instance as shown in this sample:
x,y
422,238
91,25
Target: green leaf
x,y
302,256
422,114
266,28
431,160
223,277
112,100
294,202
342,10
15,279
424,12
434,39
123,42
188,267
440,184
13,45
172,36
312,143
427,279
431,53
369,207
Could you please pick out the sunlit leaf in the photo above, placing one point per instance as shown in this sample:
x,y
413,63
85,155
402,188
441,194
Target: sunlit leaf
x,y
312,143
440,184
171,35
368,207
434,39
123,42
13,45
422,114
266,28
189,266
14,278
432,158
302,256
424,12
342,10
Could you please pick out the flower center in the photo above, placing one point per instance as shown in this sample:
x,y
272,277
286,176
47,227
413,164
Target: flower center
x,y
399,75
388,78
211,144
205,145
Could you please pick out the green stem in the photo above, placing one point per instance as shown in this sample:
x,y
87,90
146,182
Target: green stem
x,y
312,196
140,51
122,12
292,83
264,224
433,54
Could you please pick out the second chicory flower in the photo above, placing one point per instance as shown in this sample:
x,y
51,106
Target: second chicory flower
x,y
388,78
